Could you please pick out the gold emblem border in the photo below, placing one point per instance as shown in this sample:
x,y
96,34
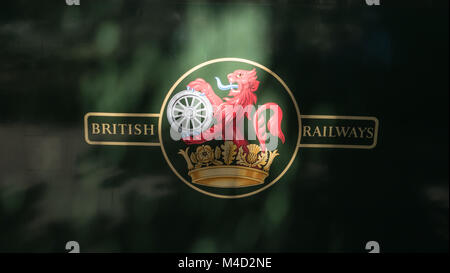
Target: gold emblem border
x,y
161,113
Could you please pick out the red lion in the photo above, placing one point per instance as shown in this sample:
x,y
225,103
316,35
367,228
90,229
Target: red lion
x,y
242,86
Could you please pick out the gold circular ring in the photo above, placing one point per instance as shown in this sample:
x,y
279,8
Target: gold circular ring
x,y
161,114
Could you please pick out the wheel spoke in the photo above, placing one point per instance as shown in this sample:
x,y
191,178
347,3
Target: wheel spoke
x,y
180,121
185,123
179,106
178,109
197,120
192,101
180,103
198,104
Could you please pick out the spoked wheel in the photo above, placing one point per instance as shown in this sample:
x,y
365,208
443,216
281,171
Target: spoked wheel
x,y
189,113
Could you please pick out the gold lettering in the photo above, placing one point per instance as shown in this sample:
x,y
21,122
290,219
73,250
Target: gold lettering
x,y
122,127
317,130
342,131
146,129
137,128
331,132
95,128
353,131
306,130
369,132
106,127
362,131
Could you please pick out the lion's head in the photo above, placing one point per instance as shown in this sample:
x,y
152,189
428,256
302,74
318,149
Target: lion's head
x,y
247,84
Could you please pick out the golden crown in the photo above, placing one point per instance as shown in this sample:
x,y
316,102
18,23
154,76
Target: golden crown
x,y
226,166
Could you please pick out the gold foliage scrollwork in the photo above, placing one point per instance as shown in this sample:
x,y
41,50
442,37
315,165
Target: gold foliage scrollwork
x,y
229,154
253,158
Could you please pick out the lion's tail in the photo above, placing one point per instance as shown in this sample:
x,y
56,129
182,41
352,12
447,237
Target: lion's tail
x,y
274,123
